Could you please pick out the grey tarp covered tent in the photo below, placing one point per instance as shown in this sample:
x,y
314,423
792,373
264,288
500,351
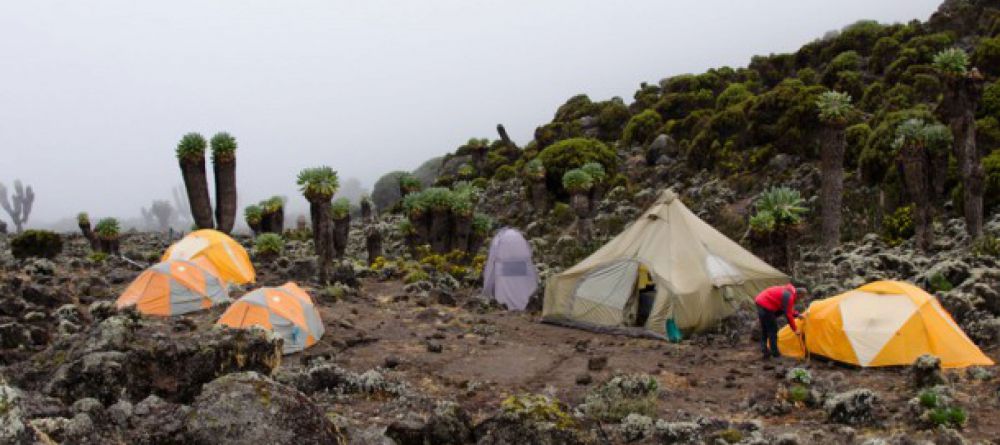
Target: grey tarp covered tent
x,y
509,275
700,276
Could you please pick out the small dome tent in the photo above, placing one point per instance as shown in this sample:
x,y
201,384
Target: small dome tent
x,y
667,268
884,323
175,287
287,311
509,275
229,257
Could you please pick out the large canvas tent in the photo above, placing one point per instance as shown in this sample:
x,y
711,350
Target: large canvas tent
x,y
884,323
696,276
509,275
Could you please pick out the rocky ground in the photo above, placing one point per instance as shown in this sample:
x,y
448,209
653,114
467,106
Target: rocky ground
x,y
430,363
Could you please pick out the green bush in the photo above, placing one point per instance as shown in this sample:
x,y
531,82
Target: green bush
x,y
466,171
990,102
799,375
845,61
987,246
415,276
537,408
573,153
622,395
798,394
97,257
596,172
898,226
940,283
482,224
957,416
991,166
269,244
504,173
928,399
641,128
409,183
36,244
776,208
562,213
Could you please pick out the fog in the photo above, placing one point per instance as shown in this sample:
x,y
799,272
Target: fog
x,y
95,95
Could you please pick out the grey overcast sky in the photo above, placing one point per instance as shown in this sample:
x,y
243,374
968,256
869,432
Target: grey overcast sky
x,y
95,95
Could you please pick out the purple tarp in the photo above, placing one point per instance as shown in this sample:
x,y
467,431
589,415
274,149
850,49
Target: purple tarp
x,y
509,275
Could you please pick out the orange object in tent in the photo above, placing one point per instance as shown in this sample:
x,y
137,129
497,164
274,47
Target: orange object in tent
x,y
884,323
229,258
287,311
174,288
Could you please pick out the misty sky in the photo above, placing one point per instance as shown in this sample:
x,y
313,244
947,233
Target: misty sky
x,y
94,95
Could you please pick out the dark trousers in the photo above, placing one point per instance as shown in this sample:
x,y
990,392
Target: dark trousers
x,y
768,331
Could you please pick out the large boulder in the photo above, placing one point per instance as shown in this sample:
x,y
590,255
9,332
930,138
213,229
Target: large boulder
x,y
249,408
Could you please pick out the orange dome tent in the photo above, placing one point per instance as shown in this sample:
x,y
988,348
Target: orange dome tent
x,y
884,323
287,311
175,287
229,258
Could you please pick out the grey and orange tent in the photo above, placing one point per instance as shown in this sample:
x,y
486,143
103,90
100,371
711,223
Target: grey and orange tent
x,y
287,311
175,287
228,257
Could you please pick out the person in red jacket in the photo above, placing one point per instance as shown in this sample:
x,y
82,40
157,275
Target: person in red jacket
x,y
773,302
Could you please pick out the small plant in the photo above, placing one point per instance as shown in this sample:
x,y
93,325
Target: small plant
x,y
415,276
562,213
577,181
987,246
929,399
957,416
798,393
340,208
466,171
730,435
785,205
537,408
799,375
898,226
107,228
36,244
97,257
953,61
504,172
940,283
481,224
269,245
623,395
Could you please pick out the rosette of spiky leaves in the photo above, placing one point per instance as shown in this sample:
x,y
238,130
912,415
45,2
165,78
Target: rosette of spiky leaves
x,y
466,171
107,228
834,107
462,204
468,190
340,208
762,222
577,181
405,227
223,146
253,214
934,137
415,205
596,171
192,146
82,218
535,169
318,183
785,205
481,224
269,244
952,61
272,204
438,199
409,183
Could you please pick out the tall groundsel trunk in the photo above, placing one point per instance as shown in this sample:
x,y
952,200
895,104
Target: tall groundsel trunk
x,y
832,191
958,107
341,233
319,211
225,193
196,184
915,174
439,231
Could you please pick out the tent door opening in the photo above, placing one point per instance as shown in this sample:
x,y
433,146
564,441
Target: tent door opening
x,y
621,293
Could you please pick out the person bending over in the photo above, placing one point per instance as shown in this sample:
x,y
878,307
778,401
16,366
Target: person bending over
x,y
772,303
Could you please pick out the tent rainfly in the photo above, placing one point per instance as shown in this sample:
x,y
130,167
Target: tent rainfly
x,y
667,272
228,257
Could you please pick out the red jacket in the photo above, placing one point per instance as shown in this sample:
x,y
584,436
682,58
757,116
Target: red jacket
x,y
780,299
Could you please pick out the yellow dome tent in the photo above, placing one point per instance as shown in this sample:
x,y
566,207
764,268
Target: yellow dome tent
x,y
175,287
287,311
884,323
229,258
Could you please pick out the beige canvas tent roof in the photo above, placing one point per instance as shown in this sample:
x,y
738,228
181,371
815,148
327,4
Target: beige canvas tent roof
x,y
699,275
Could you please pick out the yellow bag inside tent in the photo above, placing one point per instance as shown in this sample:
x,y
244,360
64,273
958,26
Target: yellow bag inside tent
x,y
229,258
884,323
175,287
287,311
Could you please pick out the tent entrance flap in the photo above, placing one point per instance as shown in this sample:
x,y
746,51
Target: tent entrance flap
x,y
603,295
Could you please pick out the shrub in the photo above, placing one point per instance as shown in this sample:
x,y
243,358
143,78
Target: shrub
x,y
537,408
107,228
562,213
987,246
504,173
641,127
415,276
340,208
928,399
784,205
898,227
577,181
409,183
36,244
568,154
733,94
466,171
990,102
957,416
596,171
482,224
939,283
991,167
534,169
97,257
269,244
623,395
